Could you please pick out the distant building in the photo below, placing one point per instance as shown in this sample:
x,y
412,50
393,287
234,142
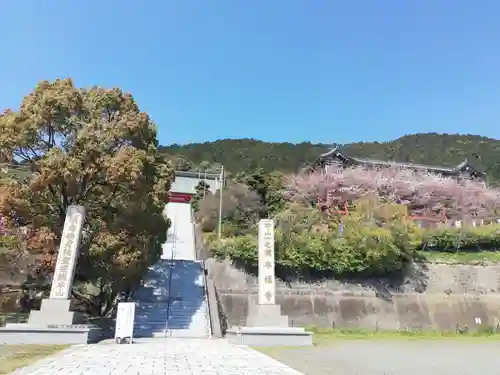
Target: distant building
x,y
183,189
335,160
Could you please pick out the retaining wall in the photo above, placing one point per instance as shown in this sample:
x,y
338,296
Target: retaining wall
x,y
438,297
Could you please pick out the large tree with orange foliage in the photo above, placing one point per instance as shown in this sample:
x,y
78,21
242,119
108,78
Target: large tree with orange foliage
x,y
90,147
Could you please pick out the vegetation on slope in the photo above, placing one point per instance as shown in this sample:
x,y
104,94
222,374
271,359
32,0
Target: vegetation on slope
x,y
246,155
376,238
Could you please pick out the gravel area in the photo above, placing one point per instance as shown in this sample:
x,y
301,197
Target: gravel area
x,y
394,358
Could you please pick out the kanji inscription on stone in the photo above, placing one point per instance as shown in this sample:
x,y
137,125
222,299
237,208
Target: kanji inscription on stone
x,y
62,281
266,262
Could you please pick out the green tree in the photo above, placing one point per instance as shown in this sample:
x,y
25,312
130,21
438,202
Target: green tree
x,y
268,186
202,190
91,147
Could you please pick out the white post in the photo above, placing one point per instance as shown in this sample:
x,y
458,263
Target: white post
x,y
220,202
267,287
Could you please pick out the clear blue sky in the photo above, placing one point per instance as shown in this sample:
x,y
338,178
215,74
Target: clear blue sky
x,y
280,70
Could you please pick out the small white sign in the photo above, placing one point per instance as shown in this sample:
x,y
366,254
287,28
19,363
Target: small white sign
x,y
124,328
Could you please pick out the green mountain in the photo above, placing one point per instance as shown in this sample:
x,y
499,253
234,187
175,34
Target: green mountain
x,y
424,148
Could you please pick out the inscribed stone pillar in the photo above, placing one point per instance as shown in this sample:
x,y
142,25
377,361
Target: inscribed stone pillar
x,y
64,273
267,287
265,325
55,310
266,313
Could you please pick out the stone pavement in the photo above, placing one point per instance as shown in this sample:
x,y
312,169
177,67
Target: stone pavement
x,y
160,356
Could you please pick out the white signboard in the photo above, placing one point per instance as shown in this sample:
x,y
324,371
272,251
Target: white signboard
x,y
125,321
64,273
267,286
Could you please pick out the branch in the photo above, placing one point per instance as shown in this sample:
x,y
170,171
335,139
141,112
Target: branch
x,y
82,298
62,211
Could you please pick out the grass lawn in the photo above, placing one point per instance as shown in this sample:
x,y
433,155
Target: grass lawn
x,y
328,337
13,357
325,336
478,257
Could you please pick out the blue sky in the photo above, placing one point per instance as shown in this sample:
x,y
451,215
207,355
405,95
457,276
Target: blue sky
x,y
321,71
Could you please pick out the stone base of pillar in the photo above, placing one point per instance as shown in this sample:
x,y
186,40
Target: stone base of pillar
x,y
266,316
267,327
54,323
55,312
269,336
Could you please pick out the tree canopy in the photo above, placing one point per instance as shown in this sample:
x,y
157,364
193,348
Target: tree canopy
x,y
90,147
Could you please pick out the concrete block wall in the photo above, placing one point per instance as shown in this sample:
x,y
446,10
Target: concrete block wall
x,y
440,297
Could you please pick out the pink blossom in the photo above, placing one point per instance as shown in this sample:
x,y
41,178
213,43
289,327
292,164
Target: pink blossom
x,y
424,193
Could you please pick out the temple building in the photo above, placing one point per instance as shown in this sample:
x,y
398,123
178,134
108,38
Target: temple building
x,y
335,159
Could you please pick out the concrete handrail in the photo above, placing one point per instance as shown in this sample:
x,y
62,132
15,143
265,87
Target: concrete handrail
x,y
212,300
213,306
197,245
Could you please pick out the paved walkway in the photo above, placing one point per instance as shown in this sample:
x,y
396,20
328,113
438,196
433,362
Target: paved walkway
x,y
160,356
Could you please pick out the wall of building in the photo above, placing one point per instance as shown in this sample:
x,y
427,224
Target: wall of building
x,y
188,185
437,297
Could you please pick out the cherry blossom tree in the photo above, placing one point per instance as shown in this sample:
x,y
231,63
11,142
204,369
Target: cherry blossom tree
x,y
424,193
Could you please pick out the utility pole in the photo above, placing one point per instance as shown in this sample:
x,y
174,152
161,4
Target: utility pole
x,y
220,202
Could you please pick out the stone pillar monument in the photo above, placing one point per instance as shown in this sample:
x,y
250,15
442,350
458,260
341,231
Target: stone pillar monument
x,y
54,323
265,326
267,286
55,310
266,313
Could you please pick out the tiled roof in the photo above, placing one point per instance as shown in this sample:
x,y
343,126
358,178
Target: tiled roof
x,y
337,153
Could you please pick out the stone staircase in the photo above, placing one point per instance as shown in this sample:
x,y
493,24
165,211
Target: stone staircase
x,y
172,302
188,308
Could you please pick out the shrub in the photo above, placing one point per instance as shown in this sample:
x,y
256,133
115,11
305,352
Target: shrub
x,y
486,237
306,242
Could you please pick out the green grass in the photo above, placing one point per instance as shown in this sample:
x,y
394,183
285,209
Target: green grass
x,y
13,357
477,257
321,336
328,337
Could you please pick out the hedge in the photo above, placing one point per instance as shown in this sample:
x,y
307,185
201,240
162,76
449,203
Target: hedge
x,y
486,237
375,251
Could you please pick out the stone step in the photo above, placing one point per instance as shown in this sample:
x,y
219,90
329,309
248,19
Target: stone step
x,y
186,333
152,333
190,306
187,320
150,328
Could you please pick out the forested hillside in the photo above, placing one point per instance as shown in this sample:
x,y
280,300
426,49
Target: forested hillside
x,y
429,148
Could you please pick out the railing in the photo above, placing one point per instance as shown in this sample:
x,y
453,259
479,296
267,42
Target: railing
x,y
211,292
170,266
205,281
216,316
